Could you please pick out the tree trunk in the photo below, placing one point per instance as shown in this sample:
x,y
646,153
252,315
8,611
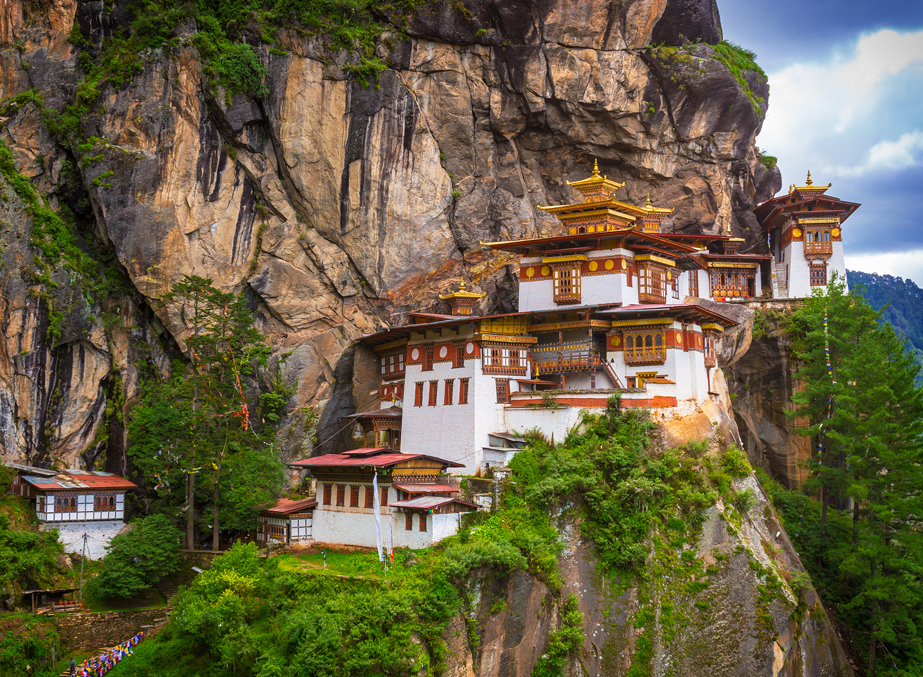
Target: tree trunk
x,y
216,536
873,641
190,507
855,522
825,501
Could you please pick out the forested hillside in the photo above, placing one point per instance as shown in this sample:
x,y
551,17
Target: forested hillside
x,y
904,301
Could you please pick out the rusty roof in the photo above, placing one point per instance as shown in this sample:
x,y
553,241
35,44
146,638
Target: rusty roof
x,y
429,503
386,459
426,488
71,480
285,506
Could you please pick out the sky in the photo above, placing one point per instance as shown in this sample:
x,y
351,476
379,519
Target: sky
x,y
846,103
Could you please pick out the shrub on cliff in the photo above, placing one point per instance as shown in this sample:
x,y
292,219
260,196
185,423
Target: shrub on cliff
x,y
138,560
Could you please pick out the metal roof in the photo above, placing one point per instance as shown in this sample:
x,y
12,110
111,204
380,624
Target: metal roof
x,y
671,309
389,412
42,472
378,460
286,506
70,480
426,488
429,503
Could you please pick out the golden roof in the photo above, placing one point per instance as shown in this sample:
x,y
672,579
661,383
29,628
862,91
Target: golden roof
x,y
651,209
809,186
595,182
462,293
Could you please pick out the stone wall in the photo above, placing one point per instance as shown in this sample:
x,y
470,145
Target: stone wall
x,y
88,632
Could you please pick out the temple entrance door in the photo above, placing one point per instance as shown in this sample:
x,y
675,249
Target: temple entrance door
x,y
751,287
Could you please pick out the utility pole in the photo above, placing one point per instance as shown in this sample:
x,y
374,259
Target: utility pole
x,y
82,557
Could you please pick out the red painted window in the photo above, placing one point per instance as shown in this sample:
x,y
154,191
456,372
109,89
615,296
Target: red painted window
x,y
369,497
818,275
341,494
433,391
428,358
418,396
449,387
458,359
422,522
463,391
503,391
693,283
354,497
384,495
327,492
408,521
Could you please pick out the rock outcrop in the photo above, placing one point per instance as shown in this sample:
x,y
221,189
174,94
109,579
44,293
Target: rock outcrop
x,y
338,208
734,602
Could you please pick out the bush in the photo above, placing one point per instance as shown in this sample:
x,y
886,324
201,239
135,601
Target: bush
x,y
139,559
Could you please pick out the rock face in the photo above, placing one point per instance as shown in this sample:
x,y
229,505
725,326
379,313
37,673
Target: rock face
x,y
745,617
335,208
762,385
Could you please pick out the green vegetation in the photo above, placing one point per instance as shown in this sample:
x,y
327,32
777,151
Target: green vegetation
x,y
28,557
26,645
139,559
289,616
768,161
742,63
194,436
900,303
867,426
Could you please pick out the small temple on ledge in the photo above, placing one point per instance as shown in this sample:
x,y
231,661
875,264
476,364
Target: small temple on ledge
x,y
616,304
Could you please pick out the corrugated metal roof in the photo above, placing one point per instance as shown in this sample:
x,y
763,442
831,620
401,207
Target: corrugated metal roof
x,y
31,470
389,412
429,503
69,480
285,506
384,460
426,488
368,451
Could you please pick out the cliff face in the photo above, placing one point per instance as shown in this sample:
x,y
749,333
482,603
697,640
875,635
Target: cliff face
x,y
336,208
737,602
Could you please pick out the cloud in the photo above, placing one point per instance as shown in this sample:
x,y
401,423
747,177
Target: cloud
x,y
853,117
908,264
821,99
904,153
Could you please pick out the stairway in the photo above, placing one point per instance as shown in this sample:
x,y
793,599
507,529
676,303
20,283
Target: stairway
x,y
167,588
779,285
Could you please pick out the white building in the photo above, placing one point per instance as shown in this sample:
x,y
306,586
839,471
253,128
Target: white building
x,y
612,307
76,502
416,507
286,522
805,229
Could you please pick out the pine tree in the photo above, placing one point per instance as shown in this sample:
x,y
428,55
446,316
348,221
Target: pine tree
x,y
205,413
869,416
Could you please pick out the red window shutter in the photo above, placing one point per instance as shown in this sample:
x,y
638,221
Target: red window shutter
x,y
369,497
327,494
354,498
384,495
341,494
418,396
422,521
408,521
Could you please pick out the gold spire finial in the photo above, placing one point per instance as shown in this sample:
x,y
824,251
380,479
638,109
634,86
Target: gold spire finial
x,y
647,202
595,167
809,182
461,287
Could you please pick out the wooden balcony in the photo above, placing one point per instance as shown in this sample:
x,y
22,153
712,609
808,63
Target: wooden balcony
x,y
817,248
565,361
647,355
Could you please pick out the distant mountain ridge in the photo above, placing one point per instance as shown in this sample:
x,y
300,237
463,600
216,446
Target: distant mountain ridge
x,y
905,311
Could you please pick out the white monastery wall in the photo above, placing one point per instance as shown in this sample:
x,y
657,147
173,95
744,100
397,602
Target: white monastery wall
x,y
552,422
354,528
799,270
488,418
837,262
85,509
99,534
446,431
